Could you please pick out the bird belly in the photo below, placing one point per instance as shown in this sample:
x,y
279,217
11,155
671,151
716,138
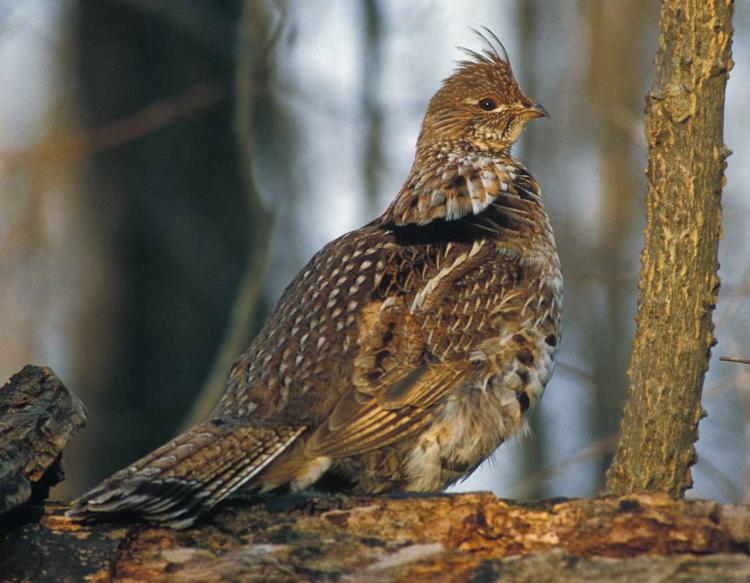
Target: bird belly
x,y
480,415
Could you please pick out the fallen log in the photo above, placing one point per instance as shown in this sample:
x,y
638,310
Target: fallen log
x,y
462,537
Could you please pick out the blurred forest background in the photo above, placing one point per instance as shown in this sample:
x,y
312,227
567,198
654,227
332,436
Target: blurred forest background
x,y
161,158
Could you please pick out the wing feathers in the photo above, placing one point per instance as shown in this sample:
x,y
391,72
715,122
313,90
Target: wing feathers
x,y
388,417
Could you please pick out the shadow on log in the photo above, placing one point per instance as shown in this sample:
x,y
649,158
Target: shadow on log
x,y
465,537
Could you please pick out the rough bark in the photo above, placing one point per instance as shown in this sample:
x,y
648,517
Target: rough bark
x,y
467,537
38,416
684,122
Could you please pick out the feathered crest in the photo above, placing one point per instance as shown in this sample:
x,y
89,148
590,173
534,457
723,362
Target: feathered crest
x,y
494,51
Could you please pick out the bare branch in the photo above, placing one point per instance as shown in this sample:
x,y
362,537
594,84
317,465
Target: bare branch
x,y
122,131
735,359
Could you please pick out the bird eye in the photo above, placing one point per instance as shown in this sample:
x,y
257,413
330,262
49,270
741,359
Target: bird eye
x,y
488,104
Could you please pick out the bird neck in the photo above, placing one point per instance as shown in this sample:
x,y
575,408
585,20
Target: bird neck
x,y
481,187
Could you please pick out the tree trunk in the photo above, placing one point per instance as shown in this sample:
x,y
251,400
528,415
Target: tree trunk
x,y
684,123
168,201
253,48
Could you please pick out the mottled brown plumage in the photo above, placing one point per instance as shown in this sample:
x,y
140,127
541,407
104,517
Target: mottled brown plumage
x,y
404,352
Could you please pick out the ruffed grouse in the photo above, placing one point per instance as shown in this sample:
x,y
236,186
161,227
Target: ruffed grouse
x,y
404,352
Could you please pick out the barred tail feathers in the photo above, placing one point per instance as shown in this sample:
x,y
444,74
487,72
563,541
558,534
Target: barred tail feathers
x,y
189,475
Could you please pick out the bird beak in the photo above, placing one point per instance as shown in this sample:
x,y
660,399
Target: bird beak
x,y
536,110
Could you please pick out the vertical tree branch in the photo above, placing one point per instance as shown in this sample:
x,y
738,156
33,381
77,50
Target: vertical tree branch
x,y
373,115
684,123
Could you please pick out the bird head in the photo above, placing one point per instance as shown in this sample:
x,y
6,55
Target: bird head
x,y
480,107
463,162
